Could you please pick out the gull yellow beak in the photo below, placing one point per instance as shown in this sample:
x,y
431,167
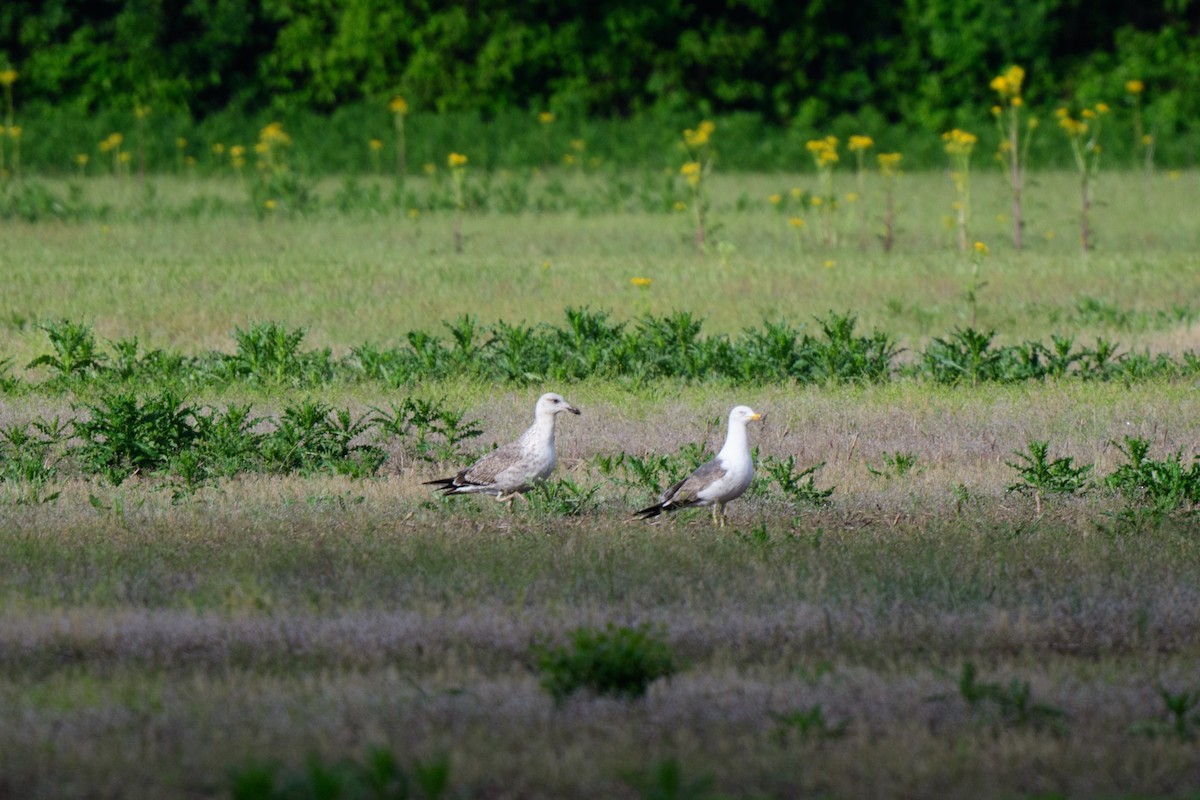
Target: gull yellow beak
x,y
756,416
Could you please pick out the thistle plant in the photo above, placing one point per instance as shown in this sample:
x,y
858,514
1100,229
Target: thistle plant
x,y
7,78
697,145
959,144
458,173
889,168
1084,137
1142,141
859,145
825,156
1013,152
399,108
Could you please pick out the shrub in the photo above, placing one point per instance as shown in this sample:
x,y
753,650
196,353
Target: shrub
x,y
615,661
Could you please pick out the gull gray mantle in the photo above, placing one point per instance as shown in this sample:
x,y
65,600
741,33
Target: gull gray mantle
x,y
512,469
723,479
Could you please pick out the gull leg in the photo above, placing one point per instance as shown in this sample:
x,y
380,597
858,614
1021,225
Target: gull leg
x,y
716,522
722,507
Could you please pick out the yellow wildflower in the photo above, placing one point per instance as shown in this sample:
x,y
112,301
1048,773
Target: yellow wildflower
x,y
1147,140
860,143
829,264
14,132
140,111
398,105
1135,86
996,110
8,77
889,162
692,172
218,149
700,136
1087,113
413,213
456,160
641,283
578,145
180,142
680,205
796,192
796,222
375,144
429,168
959,142
852,197
1018,102
237,151
546,117
775,199
270,205
81,159
981,248
1102,108
816,200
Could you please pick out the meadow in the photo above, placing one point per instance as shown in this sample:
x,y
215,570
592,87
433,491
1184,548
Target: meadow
x,y
969,564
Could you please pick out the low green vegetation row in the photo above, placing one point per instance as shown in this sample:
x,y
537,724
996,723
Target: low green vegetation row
x,y
591,344
184,447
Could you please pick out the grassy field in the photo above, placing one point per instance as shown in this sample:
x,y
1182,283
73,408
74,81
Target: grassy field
x,y
927,630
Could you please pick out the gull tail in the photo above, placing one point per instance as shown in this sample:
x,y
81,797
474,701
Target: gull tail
x,y
651,512
444,485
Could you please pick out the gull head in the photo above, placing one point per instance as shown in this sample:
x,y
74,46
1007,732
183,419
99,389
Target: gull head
x,y
551,404
744,415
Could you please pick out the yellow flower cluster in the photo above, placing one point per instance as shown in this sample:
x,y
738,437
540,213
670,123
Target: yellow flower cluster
x,y
1008,84
641,283
546,117
140,111
8,77
959,142
857,143
398,105
691,171
237,156
274,135
700,136
889,163
1135,86
824,151
111,142
14,131
376,145
1078,127
456,160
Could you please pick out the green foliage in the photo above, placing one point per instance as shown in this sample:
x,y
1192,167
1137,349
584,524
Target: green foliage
x,y
29,457
124,434
895,465
430,429
312,436
1155,488
379,776
267,352
1011,705
1181,723
563,497
1039,474
666,781
75,351
805,724
620,661
798,487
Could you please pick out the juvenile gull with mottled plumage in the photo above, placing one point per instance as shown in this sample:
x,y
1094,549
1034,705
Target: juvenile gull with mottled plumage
x,y
512,469
723,479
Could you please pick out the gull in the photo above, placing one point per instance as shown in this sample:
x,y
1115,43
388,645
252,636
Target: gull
x,y
723,479
512,469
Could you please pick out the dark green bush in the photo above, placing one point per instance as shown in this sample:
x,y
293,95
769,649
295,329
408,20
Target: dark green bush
x,y
620,661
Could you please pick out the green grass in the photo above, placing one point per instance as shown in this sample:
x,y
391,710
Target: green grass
x,y
919,631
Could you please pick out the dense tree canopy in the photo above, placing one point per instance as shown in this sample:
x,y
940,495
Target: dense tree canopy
x,y
909,60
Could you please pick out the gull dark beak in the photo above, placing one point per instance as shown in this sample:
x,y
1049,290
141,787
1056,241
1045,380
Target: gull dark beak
x,y
573,409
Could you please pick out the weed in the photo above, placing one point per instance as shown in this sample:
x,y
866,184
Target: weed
x,y
1013,703
666,781
28,460
1157,487
616,661
436,431
1041,475
270,353
75,351
793,484
806,724
123,434
563,497
379,776
312,437
1180,723
895,465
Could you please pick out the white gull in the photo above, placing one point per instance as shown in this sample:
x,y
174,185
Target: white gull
x,y
512,469
723,479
